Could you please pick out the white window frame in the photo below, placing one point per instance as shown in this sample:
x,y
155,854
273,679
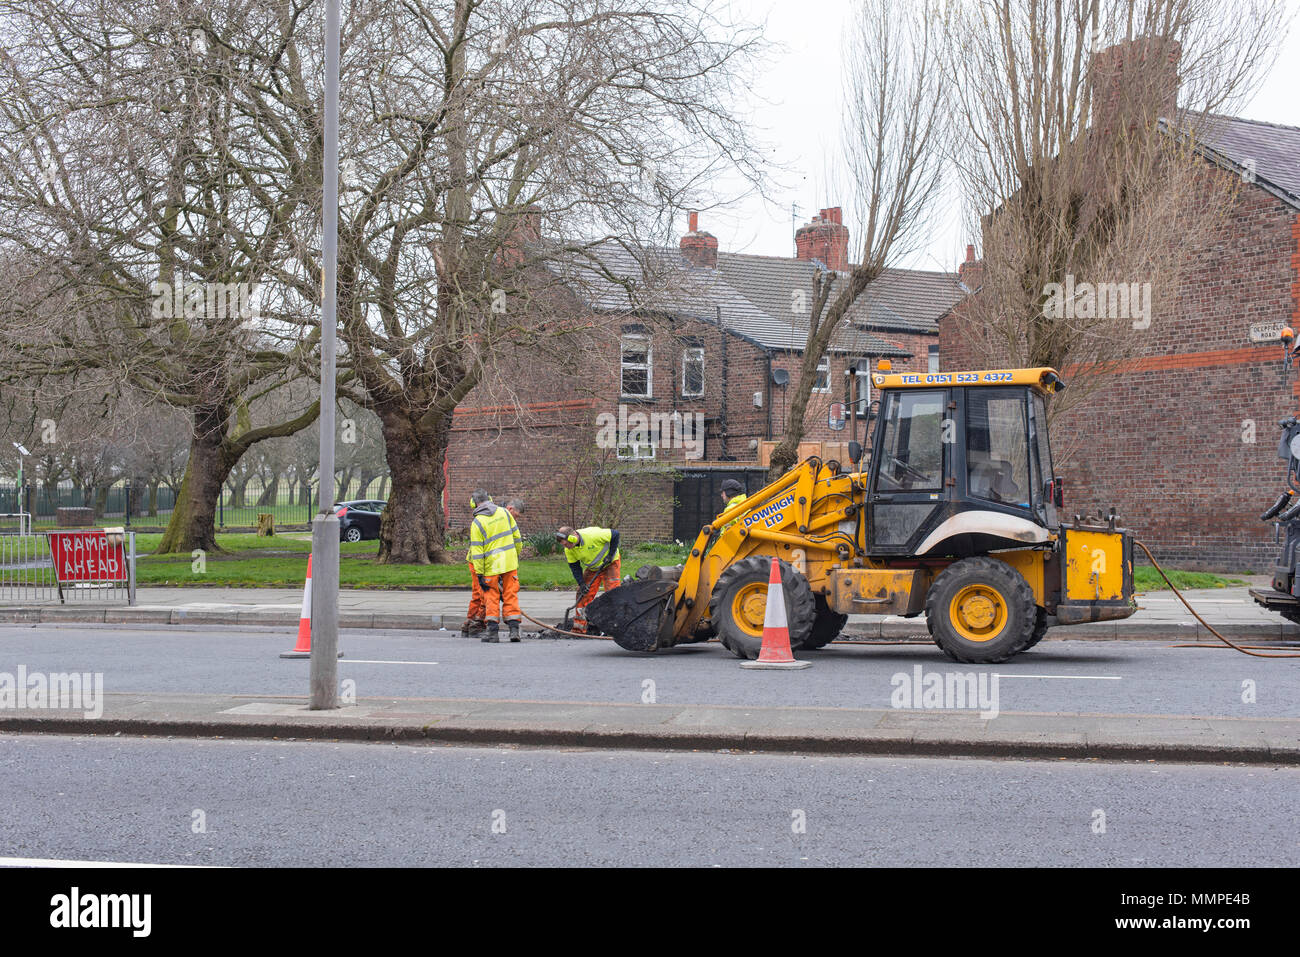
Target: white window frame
x,y
690,354
863,390
822,367
648,366
636,452
932,359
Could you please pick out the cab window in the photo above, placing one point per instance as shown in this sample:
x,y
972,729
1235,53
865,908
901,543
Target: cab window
x,y
997,446
911,450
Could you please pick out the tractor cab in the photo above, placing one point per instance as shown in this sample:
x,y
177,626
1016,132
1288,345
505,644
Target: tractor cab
x,y
961,463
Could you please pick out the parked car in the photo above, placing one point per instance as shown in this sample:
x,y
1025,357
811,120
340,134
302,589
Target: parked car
x,y
358,520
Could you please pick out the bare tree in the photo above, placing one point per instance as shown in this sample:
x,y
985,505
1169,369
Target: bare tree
x,y
894,126
492,141
146,217
1079,123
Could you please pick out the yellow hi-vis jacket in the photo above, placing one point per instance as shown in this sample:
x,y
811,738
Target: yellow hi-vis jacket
x,y
731,502
494,541
594,550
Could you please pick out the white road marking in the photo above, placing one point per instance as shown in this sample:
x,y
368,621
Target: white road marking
x,y
369,661
50,862
1066,677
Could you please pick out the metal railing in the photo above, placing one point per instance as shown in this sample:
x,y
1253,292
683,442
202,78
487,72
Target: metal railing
x,y
27,575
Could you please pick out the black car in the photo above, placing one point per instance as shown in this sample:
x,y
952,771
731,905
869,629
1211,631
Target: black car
x,y
358,520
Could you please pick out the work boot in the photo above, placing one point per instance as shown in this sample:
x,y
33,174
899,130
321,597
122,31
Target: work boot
x,y
472,627
514,630
491,635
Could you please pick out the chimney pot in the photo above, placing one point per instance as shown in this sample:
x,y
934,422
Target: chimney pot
x,y
694,218
826,239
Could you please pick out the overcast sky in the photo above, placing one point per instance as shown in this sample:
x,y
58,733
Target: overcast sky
x,y
796,106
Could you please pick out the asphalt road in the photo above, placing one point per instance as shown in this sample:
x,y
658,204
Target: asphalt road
x,y
293,803
1072,677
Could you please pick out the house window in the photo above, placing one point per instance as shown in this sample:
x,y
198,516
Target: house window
x,y
934,359
636,452
693,371
823,381
636,367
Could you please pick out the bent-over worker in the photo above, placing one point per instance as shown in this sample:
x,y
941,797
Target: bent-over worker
x,y
593,557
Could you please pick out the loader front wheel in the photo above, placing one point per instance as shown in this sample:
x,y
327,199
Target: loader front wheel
x,y
981,611
739,602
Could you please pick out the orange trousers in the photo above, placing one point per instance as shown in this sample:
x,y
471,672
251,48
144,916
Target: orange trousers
x,y
502,597
591,584
477,607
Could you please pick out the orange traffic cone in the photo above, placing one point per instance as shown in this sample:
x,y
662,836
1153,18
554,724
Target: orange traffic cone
x,y
775,653
303,648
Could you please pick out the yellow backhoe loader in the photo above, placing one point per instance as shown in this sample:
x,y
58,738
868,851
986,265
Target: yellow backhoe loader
x,y
956,516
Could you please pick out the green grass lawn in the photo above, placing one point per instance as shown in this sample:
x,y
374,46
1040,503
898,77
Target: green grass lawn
x,y
249,561
1146,578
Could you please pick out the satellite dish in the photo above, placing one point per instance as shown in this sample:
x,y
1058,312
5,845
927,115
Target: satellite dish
x,y
780,376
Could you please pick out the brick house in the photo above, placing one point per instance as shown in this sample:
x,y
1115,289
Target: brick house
x,y
715,341
1182,439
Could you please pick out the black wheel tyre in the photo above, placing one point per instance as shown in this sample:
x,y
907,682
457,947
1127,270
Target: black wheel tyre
x,y
1040,627
736,606
826,626
981,611
353,534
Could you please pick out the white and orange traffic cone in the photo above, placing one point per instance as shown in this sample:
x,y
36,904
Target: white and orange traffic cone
x,y
775,653
303,648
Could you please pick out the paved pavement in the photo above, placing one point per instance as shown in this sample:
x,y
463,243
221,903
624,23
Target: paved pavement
x,y
1160,614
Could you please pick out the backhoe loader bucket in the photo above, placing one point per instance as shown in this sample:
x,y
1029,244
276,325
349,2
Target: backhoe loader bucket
x,y
638,615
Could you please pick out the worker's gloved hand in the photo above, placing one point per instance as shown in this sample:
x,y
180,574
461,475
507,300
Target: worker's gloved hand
x,y
482,582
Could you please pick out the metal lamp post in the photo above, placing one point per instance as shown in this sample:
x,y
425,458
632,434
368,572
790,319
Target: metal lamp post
x,y
325,525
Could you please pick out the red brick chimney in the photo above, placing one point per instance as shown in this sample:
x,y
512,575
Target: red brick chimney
x,y
971,272
701,249
1134,83
825,238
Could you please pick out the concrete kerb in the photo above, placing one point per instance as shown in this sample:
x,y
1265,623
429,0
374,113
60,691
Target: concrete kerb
x,y
495,723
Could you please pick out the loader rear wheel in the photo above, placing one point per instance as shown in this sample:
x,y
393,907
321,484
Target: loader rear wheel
x,y
739,603
826,626
981,611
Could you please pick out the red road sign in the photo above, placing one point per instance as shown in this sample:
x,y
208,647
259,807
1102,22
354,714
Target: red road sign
x,y
88,556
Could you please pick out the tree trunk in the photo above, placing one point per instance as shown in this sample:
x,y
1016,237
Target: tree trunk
x,y
412,530
193,521
237,490
345,482
153,499
270,493
100,499
786,453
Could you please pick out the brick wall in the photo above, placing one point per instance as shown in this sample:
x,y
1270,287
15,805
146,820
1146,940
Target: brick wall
x,y
1166,439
